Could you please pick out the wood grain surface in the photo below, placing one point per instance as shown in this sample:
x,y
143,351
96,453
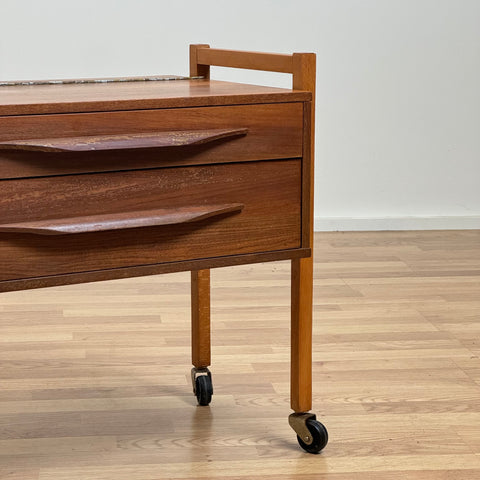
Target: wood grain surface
x,y
270,219
120,221
195,68
272,62
200,314
40,99
95,378
178,138
274,131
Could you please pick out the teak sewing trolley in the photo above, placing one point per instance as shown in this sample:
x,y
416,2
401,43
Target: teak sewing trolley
x,y
120,178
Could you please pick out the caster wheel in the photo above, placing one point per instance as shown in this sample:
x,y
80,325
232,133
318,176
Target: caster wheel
x,y
319,436
203,389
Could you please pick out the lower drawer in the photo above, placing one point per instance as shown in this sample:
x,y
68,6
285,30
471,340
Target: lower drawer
x,y
83,223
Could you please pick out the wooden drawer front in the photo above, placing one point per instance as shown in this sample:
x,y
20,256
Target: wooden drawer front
x,y
271,131
264,200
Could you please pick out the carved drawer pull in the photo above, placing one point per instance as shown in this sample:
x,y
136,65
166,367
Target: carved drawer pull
x,y
177,138
120,221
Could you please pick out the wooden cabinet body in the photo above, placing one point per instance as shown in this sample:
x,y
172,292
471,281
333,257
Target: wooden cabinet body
x,y
96,195
110,180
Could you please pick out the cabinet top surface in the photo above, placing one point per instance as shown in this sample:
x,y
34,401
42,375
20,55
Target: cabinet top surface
x,y
95,97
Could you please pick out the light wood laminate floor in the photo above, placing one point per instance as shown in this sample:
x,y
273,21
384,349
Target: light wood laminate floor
x,y
94,379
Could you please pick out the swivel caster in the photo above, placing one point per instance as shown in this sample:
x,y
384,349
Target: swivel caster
x,y
202,385
312,435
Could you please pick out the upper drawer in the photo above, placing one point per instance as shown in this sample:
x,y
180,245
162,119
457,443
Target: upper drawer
x,y
264,131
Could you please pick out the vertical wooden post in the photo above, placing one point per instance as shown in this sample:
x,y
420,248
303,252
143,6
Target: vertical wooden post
x,y
201,357
196,69
301,335
304,65
200,286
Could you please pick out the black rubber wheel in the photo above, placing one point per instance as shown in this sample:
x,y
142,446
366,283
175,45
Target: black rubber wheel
x,y
319,434
203,389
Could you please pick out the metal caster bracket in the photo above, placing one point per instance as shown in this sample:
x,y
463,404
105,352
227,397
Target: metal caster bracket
x,y
298,421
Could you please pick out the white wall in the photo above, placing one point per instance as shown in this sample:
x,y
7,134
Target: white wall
x,y
398,107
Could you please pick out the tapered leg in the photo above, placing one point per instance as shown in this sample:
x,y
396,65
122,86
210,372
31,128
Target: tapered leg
x,y
201,356
201,376
301,332
311,434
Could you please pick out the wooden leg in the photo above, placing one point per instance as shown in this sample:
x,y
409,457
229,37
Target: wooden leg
x,y
201,318
301,332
